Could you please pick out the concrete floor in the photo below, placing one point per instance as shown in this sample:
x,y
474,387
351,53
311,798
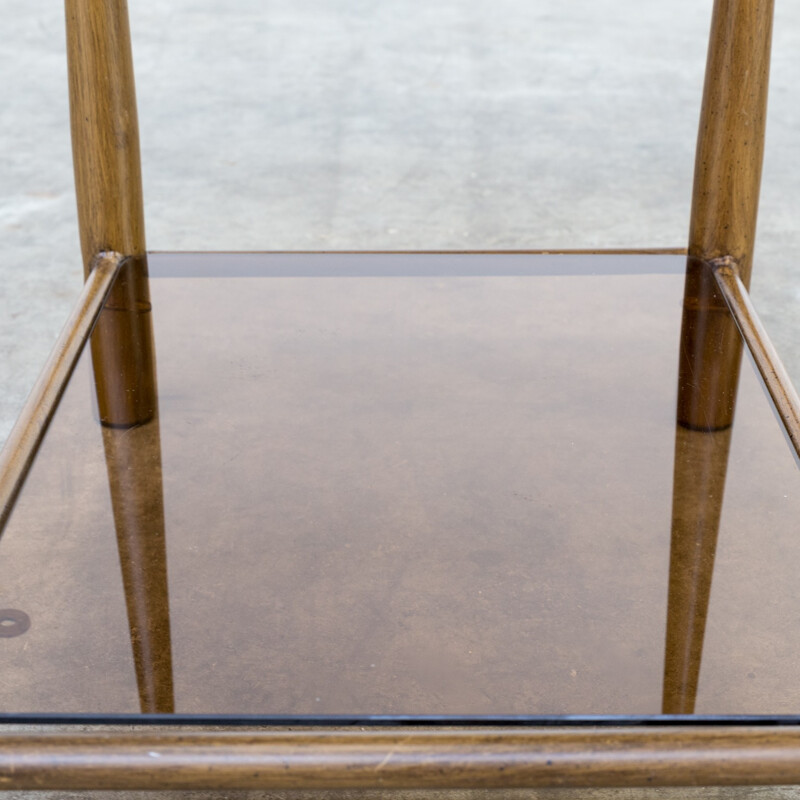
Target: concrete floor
x,y
366,124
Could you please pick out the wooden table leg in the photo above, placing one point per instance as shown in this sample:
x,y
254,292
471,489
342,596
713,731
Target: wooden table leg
x,y
105,143
724,211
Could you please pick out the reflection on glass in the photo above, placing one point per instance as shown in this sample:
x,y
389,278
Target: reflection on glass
x,y
446,493
708,376
123,358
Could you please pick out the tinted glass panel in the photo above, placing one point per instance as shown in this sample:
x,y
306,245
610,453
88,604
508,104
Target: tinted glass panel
x,y
396,484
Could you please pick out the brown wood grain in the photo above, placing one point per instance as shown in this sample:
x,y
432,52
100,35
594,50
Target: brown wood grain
x,y
727,180
730,143
403,759
108,184
105,131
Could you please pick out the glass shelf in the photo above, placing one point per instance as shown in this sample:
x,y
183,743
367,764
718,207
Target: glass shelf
x,y
399,484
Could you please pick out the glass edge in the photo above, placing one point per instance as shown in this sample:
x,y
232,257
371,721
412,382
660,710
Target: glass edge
x,y
399,720
409,265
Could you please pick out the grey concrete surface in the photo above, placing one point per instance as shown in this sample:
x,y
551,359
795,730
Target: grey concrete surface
x,y
364,124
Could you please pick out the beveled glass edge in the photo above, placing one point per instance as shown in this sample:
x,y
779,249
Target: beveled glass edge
x,y
404,720
341,264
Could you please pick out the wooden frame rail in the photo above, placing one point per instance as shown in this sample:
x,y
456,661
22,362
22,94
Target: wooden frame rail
x,y
776,379
417,759
23,442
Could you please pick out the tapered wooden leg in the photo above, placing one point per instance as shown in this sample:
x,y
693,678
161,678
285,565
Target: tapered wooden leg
x,y
701,459
724,210
133,461
105,143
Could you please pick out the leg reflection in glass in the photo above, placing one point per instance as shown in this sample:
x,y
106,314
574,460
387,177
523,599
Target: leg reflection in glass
x,y
124,366
708,376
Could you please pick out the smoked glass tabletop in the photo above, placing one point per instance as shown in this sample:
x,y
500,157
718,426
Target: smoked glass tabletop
x,y
406,485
